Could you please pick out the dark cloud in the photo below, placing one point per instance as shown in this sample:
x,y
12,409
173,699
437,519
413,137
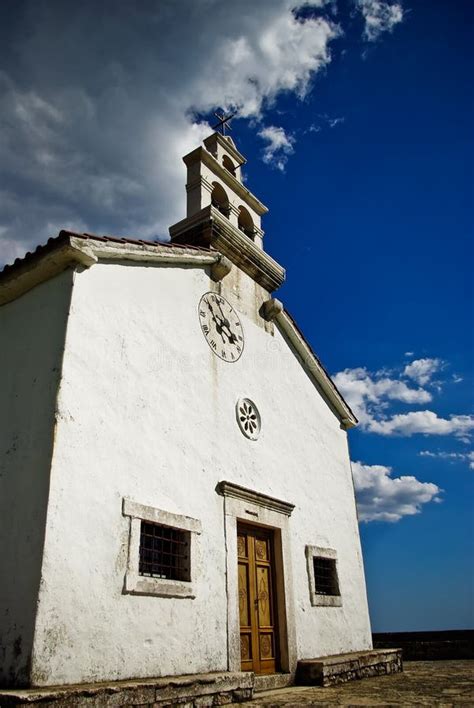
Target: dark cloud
x,y
99,98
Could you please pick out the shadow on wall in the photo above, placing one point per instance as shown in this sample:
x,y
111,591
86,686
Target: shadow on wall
x,y
33,334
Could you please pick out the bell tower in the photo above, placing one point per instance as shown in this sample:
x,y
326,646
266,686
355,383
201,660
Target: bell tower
x,y
223,214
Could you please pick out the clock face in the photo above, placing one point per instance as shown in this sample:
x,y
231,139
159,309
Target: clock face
x,y
221,327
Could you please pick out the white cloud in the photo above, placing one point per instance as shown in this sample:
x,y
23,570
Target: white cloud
x,y
324,120
443,455
379,17
279,146
368,394
450,456
424,422
422,370
95,137
380,497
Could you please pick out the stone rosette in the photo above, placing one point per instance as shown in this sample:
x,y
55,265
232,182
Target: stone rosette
x,y
248,418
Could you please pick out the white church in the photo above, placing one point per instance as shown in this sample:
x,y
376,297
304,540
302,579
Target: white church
x,y
176,496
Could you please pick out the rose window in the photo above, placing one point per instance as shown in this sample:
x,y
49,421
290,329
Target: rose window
x,y
248,418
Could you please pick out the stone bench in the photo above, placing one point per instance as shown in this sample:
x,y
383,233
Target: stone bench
x,y
340,668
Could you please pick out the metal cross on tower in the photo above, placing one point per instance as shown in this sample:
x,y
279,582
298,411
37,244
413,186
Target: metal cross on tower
x,y
223,122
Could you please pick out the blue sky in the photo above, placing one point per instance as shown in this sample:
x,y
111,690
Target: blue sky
x,y
356,120
373,220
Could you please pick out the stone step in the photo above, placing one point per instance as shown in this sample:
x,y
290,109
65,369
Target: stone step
x,y
201,690
340,668
270,682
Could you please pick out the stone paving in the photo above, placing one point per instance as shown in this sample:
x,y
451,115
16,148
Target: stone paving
x,y
422,683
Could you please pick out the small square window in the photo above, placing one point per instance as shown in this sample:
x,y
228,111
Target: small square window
x,y
164,552
325,576
323,581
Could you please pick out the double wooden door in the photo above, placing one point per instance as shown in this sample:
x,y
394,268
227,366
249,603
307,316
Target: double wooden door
x,y
258,637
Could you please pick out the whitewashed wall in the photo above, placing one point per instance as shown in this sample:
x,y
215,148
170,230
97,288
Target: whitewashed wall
x,y
32,332
146,411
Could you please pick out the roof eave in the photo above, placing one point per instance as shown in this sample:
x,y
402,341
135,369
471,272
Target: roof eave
x,y
274,310
71,250
31,272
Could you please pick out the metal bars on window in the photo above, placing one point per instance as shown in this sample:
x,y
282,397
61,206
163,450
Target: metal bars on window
x,y
325,576
164,552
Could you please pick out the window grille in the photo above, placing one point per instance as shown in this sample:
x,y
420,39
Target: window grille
x,y
325,576
164,552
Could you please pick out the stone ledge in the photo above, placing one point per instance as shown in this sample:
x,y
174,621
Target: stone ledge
x,y
192,690
209,228
340,668
272,682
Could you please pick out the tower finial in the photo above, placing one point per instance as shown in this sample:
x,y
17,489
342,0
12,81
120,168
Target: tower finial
x,y
223,122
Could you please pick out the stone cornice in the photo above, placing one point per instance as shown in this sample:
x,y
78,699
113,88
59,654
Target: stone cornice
x,y
200,181
70,250
200,154
273,310
153,253
211,228
28,274
234,210
314,368
229,489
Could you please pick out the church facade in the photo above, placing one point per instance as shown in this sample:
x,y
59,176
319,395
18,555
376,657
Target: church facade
x,y
176,493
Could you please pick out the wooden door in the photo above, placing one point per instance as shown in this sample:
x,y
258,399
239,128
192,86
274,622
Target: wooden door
x,y
258,640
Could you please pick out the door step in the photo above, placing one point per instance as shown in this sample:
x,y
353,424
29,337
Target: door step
x,y
269,682
339,668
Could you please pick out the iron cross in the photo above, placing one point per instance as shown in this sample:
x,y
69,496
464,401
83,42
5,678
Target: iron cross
x,y
223,122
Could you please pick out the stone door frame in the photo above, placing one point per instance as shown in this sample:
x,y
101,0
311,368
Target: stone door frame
x,y
247,506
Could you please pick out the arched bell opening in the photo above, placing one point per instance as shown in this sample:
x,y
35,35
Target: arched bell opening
x,y
219,199
245,223
229,165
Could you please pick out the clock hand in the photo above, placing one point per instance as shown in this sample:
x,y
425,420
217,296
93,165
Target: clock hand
x,y
219,324
224,319
219,327
225,323
231,336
